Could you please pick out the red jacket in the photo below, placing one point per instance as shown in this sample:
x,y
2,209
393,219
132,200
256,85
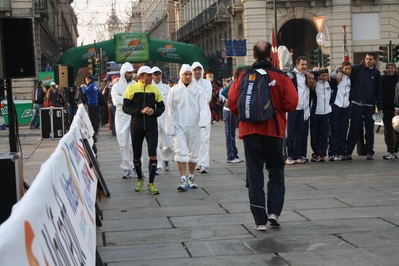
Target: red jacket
x,y
284,98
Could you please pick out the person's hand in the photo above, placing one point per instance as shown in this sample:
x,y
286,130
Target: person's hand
x,y
144,110
149,111
381,111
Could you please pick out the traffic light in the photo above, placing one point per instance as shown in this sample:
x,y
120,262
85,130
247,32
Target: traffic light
x,y
97,65
104,60
383,53
90,65
326,60
314,57
395,53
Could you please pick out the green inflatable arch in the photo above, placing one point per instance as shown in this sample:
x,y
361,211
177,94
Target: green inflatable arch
x,y
135,47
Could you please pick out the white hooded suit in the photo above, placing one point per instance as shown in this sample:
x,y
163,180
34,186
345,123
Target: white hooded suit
x,y
206,85
187,111
165,143
122,120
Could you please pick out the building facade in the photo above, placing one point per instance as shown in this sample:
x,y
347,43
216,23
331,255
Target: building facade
x,y
207,23
53,29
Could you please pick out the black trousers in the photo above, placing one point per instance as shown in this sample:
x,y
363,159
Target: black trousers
x,y
391,137
93,115
258,151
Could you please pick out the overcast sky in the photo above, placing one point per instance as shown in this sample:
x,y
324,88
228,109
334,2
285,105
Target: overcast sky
x,y
93,14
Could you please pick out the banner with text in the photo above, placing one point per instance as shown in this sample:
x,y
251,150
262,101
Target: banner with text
x,y
54,222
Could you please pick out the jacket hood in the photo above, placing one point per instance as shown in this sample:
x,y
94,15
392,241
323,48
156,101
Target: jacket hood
x,y
126,67
284,58
184,68
198,64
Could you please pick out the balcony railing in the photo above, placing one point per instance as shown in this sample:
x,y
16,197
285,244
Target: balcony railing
x,y
209,14
5,4
39,5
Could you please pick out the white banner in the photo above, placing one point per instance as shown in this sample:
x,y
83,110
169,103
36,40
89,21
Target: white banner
x,y
54,223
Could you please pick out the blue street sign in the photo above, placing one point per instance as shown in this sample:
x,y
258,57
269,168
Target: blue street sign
x,y
320,38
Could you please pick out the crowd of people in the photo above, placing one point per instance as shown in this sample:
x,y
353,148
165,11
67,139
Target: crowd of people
x,y
175,120
335,107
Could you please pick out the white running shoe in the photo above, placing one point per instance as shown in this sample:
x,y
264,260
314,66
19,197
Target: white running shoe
x,y
203,170
158,171
166,165
388,156
289,161
126,175
191,182
183,185
260,227
236,160
273,220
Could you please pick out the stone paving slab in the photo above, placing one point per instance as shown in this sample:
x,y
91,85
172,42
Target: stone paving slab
x,y
236,218
265,243
332,227
355,212
136,224
231,260
151,252
353,257
335,193
177,235
386,200
380,238
185,210
290,205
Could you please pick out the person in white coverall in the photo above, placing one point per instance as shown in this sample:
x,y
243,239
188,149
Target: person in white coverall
x,y
206,85
165,143
187,111
122,120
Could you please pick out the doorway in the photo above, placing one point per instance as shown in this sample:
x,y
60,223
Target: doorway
x,y
300,36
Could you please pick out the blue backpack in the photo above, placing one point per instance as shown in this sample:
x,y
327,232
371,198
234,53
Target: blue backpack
x,y
254,102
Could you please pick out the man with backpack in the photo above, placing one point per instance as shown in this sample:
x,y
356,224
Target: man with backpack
x,y
263,141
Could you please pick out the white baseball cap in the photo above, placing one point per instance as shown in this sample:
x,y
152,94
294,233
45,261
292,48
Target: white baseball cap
x,y
156,69
52,83
145,69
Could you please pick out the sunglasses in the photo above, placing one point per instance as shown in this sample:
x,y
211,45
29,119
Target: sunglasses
x,y
157,73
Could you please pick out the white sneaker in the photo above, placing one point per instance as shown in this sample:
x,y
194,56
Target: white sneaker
x,y
338,158
183,185
301,160
158,171
126,175
191,182
289,161
388,156
166,165
236,160
260,227
134,172
273,220
203,170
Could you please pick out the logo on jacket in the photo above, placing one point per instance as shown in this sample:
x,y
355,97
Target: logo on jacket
x,y
252,77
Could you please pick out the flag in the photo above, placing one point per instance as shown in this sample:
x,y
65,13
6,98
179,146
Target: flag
x,y
346,53
274,49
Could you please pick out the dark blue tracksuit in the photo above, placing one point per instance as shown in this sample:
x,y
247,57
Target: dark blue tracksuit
x,y
339,118
320,118
366,92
